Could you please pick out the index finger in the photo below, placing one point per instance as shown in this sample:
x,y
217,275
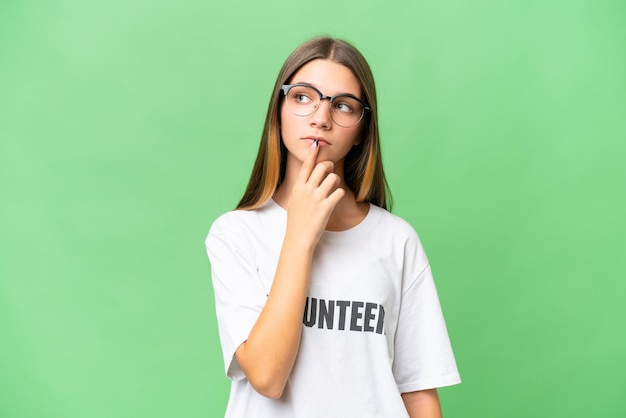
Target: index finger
x,y
309,162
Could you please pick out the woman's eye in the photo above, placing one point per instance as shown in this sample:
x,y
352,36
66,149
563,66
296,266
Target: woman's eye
x,y
302,98
344,107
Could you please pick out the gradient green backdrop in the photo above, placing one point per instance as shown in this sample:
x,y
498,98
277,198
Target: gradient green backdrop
x,y
127,127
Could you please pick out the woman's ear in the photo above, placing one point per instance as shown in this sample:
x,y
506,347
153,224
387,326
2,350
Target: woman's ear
x,y
361,137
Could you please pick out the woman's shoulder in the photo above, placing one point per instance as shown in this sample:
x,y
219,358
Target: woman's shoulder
x,y
241,219
393,223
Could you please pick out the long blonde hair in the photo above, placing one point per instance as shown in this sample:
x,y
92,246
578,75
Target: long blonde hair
x,y
363,168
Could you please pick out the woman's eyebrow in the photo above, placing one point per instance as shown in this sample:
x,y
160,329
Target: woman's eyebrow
x,y
317,87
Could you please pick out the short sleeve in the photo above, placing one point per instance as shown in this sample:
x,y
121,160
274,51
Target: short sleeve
x,y
239,294
423,357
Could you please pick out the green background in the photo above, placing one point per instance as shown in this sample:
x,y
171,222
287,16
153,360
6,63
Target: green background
x,y
127,127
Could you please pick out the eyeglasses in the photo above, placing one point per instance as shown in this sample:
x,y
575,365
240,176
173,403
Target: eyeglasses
x,y
303,99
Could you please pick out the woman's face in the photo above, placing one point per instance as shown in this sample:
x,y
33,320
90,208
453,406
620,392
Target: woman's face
x,y
299,132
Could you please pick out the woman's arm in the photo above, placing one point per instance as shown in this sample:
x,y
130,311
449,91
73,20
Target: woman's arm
x,y
268,355
422,404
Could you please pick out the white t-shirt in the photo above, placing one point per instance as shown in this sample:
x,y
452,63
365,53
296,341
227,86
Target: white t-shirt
x,y
372,326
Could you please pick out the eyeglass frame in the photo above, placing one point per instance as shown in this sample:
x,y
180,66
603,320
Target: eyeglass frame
x,y
366,108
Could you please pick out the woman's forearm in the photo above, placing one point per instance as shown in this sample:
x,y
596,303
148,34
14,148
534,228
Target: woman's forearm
x,y
268,355
270,351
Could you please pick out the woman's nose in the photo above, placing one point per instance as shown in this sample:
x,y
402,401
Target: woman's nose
x,y
321,117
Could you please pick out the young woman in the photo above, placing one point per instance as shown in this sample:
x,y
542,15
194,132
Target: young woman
x,y
325,301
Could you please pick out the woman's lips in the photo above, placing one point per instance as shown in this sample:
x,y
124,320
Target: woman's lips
x,y
311,139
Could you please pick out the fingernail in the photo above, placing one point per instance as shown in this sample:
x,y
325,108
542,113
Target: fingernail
x,y
316,142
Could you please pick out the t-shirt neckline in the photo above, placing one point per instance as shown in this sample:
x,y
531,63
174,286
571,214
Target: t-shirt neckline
x,y
358,231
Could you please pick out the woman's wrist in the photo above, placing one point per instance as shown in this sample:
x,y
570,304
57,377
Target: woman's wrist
x,y
297,243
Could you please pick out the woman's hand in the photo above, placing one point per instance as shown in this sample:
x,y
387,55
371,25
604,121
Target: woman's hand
x,y
313,199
